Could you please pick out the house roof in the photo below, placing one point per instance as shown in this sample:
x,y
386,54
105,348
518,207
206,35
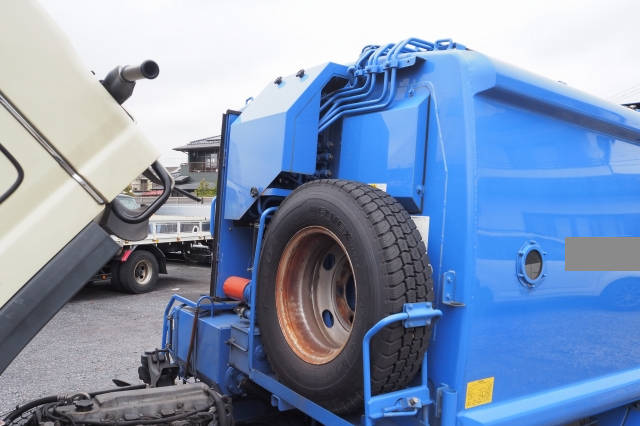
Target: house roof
x,y
207,144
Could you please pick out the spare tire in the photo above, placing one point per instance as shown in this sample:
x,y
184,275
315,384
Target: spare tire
x,y
337,257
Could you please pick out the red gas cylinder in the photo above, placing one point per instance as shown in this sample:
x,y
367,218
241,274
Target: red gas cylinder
x,y
234,287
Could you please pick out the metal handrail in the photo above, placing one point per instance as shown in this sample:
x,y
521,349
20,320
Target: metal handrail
x,y
254,279
414,315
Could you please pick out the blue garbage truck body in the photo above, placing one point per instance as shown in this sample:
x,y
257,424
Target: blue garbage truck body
x,y
497,168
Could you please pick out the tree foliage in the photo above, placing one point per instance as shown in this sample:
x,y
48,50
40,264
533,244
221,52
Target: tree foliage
x,y
128,190
205,190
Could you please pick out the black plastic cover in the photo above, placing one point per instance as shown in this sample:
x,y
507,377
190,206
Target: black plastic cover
x,y
22,317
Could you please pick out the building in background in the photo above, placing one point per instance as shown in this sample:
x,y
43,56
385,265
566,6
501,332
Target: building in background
x,y
142,186
202,163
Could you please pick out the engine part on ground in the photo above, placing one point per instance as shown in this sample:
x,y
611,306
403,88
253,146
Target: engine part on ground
x,y
188,404
121,80
339,256
22,412
157,370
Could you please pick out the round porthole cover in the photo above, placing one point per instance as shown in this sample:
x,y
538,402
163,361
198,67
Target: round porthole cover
x,y
530,264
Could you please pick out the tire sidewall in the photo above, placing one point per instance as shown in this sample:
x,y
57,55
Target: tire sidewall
x,y
127,280
336,211
115,283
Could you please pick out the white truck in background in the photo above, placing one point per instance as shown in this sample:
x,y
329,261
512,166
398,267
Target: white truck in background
x,y
175,231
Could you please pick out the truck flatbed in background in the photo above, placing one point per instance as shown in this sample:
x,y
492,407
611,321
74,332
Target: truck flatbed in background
x,y
176,231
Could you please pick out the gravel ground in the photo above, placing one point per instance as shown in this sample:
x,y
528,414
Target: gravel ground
x,y
99,335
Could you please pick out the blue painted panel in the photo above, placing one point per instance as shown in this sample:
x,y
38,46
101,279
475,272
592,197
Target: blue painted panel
x,y
388,147
559,405
212,351
239,355
234,242
548,181
276,132
513,157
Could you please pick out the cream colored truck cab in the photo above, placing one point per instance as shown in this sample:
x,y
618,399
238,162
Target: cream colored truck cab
x,y
67,148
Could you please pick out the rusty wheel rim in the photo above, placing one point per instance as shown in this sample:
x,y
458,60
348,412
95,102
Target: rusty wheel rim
x,y
316,293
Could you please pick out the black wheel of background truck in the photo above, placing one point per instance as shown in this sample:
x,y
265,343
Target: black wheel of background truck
x,y
139,274
337,257
115,283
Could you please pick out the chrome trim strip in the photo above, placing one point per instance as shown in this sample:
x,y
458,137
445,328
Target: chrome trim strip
x,y
51,150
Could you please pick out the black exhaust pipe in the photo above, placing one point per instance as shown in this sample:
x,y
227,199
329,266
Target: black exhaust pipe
x,y
121,80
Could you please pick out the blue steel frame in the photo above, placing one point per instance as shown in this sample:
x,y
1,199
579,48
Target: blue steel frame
x,y
212,216
384,405
254,279
212,307
407,401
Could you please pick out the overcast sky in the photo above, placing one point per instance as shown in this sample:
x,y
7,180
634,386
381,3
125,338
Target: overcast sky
x,y
215,54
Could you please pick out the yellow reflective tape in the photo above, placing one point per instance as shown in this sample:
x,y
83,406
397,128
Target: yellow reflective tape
x,y
479,392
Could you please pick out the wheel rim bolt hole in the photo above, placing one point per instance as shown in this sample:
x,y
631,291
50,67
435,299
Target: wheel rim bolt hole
x,y
329,261
327,318
350,295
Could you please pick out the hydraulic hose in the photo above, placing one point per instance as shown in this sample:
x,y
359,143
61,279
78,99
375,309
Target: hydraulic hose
x,y
223,420
350,91
373,103
355,95
121,389
366,53
28,406
346,101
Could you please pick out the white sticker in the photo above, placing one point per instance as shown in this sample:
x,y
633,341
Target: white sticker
x,y
422,223
380,186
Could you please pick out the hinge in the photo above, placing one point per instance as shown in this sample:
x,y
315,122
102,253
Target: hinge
x,y
445,396
449,290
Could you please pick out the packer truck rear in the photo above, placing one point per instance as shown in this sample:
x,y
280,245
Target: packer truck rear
x,y
395,244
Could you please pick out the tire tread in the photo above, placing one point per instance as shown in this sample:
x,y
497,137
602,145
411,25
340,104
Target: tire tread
x,y
397,352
